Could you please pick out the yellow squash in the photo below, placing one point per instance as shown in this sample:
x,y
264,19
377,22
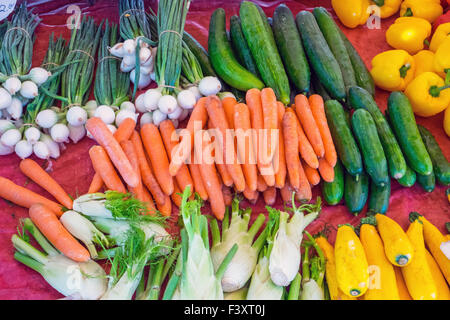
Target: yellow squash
x,y
389,8
352,269
382,283
351,13
408,33
397,245
417,273
426,9
439,35
424,62
443,292
401,285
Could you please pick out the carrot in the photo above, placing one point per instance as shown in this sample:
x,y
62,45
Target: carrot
x,y
166,208
250,194
309,124
253,99
104,137
312,174
305,147
24,197
228,104
148,201
318,112
286,192
158,157
35,172
291,149
245,150
326,171
147,176
270,195
103,165
261,185
183,150
96,183
125,130
183,176
176,195
128,148
199,187
304,193
270,119
219,121
279,161
50,226
227,195
221,167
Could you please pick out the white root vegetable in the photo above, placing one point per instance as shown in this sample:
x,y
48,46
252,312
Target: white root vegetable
x,y
5,98
5,125
151,98
59,133
52,146
29,89
167,104
11,137
128,105
158,117
23,149
15,109
76,116
140,104
39,75
145,55
106,113
46,118
41,151
196,92
32,134
175,114
186,99
13,85
76,133
209,86
126,67
90,108
144,80
124,114
129,47
117,50
146,118
5,150
147,70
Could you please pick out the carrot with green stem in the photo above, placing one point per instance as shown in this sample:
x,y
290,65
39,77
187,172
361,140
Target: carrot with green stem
x,y
34,171
270,120
291,149
105,138
326,170
103,165
279,160
96,183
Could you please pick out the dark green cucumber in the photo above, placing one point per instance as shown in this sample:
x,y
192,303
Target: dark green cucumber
x,y
345,143
370,145
334,191
379,197
318,88
361,98
240,46
363,77
409,179
356,192
408,135
259,37
319,55
291,49
200,53
223,59
428,182
330,31
441,166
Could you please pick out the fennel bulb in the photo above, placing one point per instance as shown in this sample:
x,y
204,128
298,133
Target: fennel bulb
x,y
240,294
261,286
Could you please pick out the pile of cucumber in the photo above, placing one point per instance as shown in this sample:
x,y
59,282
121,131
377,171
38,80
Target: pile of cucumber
x,y
373,148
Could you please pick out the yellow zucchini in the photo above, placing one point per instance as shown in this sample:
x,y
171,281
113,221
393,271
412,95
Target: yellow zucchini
x,y
352,269
397,246
443,292
417,273
382,282
401,285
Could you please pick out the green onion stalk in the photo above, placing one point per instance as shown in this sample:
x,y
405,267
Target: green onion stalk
x,y
313,270
77,280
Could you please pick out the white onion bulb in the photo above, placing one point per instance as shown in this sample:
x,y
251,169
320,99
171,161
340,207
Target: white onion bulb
x,y
15,109
6,125
13,85
39,75
32,134
139,103
158,117
46,118
167,104
5,98
23,149
184,114
90,108
106,113
52,146
76,133
128,105
176,114
76,116
124,114
151,98
11,137
5,150
209,86
111,128
186,99
41,151
59,133
29,89
146,118
196,92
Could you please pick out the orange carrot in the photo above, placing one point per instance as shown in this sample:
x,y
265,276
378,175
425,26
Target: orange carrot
x,y
24,197
245,150
253,99
326,171
270,195
312,174
35,172
125,130
291,149
104,137
304,192
50,226
318,112
279,160
219,121
96,183
221,167
309,124
158,157
199,187
166,208
183,150
176,195
103,165
128,148
227,196
270,119
147,176
250,194
228,104
261,185
286,192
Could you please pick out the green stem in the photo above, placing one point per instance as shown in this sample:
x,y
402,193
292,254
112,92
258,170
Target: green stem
x,y
226,261
294,289
226,219
174,279
155,285
404,70
27,249
435,91
41,240
173,256
215,232
256,226
261,240
305,265
408,13
29,262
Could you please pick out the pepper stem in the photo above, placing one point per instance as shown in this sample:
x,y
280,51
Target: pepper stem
x,y
435,91
404,70
408,13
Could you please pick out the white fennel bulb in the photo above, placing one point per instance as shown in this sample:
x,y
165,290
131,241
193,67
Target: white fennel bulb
x,y
186,99
13,85
167,104
5,98
60,133
11,137
76,116
151,98
209,86
39,75
261,285
15,109
29,89
105,113
46,118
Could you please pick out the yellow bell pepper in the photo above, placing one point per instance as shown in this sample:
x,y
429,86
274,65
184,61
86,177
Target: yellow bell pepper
x,y
428,94
424,62
388,7
351,13
447,129
441,32
408,33
427,9
441,60
393,70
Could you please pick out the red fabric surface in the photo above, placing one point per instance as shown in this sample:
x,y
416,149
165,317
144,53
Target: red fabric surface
x,y
74,171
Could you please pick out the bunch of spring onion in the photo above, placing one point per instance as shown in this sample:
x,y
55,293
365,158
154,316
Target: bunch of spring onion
x,y
237,232
26,136
78,280
285,256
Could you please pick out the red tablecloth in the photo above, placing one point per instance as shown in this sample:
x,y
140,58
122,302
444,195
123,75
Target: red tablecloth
x,y
73,170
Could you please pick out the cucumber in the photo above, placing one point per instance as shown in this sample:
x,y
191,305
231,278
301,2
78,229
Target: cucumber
x,y
330,31
370,145
291,49
428,182
318,88
345,143
408,135
409,179
334,191
259,37
320,57
223,59
356,192
240,46
363,77
379,197
200,53
441,166
361,98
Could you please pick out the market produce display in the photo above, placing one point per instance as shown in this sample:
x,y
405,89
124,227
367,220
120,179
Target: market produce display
x,y
219,182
